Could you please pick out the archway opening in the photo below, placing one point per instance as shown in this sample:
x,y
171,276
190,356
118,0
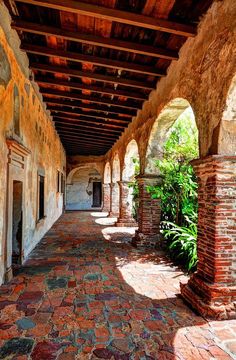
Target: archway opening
x,y
107,188
107,174
130,170
115,198
84,189
173,145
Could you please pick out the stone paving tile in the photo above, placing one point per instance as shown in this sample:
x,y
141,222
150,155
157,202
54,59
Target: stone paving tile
x,y
85,293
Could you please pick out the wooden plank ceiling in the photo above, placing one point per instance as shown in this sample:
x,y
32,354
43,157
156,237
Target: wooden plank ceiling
x,y
97,61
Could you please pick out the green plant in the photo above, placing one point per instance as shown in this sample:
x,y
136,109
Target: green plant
x,y
183,244
178,191
133,185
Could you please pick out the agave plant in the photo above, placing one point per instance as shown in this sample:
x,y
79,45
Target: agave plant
x,y
183,242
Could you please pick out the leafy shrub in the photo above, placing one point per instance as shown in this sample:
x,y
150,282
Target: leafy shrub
x,y
183,244
178,191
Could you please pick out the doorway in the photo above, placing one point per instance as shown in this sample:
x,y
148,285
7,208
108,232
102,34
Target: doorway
x,y
97,194
17,217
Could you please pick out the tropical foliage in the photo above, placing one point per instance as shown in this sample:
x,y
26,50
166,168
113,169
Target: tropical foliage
x,y
178,190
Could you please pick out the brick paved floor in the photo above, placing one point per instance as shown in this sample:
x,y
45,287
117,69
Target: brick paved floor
x,y
85,293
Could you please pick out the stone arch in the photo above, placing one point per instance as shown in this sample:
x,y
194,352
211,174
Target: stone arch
x,y
131,155
107,173
160,130
226,141
80,187
115,189
73,171
116,169
16,111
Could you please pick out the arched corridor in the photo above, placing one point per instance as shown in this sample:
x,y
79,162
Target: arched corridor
x,y
85,293
100,180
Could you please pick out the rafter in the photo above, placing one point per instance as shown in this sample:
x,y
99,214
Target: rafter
x,y
76,120
104,42
98,89
89,138
99,61
87,117
67,124
84,132
120,16
60,109
85,144
71,95
90,75
81,105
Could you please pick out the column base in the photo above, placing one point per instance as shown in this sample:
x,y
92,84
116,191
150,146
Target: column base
x,y
126,223
146,240
8,275
212,301
113,215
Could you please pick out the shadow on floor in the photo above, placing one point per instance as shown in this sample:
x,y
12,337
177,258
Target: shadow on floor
x,y
86,293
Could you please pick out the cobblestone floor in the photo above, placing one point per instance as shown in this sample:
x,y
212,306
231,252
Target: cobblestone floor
x,y
85,293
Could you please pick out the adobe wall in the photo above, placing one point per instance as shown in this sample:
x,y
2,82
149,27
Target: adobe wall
x,y
37,135
82,171
202,76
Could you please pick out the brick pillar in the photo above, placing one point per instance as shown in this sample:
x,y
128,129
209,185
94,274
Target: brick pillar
x,y
106,198
212,289
114,200
126,203
149,214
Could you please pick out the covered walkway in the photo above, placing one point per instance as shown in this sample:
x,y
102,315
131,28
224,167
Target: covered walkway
x,y
86,293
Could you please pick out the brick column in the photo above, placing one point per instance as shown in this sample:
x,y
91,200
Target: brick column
x,y
106,198
126,203
149,214
212,289
114,200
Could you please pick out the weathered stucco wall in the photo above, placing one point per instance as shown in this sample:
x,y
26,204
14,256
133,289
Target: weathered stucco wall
x,y
37,134
79,192
81,172
202,76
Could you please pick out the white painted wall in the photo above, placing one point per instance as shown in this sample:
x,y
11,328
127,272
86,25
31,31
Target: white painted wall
x,y
79,194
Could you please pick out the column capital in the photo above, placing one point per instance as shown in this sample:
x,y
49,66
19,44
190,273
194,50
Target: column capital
x,y
124,182
213,159
149,179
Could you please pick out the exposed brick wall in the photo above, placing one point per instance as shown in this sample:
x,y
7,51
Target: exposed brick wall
x,y
115,200
149,214
212,290
106,197
125,216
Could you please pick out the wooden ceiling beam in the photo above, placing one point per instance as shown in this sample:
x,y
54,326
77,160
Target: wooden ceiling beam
x,y
93,76
88,138
93,122
91,133
97,89
70,125
80,105
99,61
57,112
84,144
121,105
111,14
60,109
89,39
